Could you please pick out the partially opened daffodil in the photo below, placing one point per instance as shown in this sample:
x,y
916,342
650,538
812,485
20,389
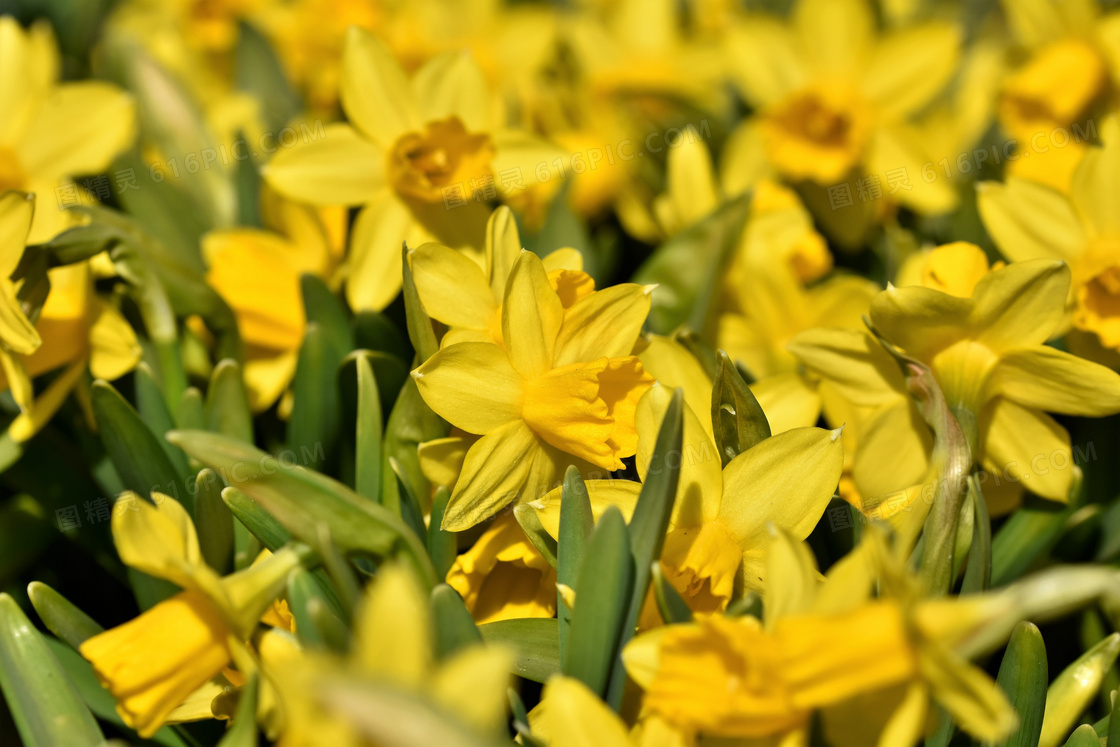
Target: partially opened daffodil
x,y
562,390
988,355
258,272
862,662
421,156
467,298
52,131
1032,221
718,531
153,663
833,101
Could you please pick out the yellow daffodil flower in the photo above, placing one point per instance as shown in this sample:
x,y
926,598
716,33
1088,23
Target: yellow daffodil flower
x,y
503,576
416,156
833,100
1070,51
562,391
951,268
51,131
1031,221
467,298
392,647
258,272
18,335
154,663
824,647
987,354
718,530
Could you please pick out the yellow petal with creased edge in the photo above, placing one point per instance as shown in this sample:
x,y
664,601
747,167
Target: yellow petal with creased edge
x,y
853,363
791,578
442,459
16,212
452,288
700,485
570,715
43,408
375,251
503,576
157,538
392,635
786,479
472,684
114,349
1023,445
602,494
1030,221
892,453
910,67
150,678
19,381
503,247
920,321
673,366
340,168
1021,304
1049,379
16,330
531,317
374,92
788,400
493,476
967,693
452,85
78,130
471,385
605,323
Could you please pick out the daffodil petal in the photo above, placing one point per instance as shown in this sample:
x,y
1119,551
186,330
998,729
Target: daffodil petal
x,y
442,459
79,130
503,247
910,66
391,630
452,288
16,211
602,494
573,716
114,348
531,317
1027,220
605,323
852,362
672,365
834,36
892,455
472,386
493,476
374,91
919,320
763,58
1020,304
1027,446
156,538
375,252
792,577
452,85
1048,379
1097,176
788,401
340,168
16,330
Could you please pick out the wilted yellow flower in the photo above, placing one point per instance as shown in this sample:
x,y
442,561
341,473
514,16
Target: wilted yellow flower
x,y
562,391
999,379
51,131
833,100
416,156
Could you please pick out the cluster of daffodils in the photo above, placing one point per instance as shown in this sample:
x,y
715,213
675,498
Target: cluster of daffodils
x,y
588,374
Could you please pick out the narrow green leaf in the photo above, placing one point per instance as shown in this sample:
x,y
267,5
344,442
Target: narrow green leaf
x,y
213,521
44,704
26,531
191,413
454,626
367,457
1113,732
375,331
738,421
1073,689
316,624
259,73
314,418
530,523
1083,736
134,450
648,526
534,639
411,423
576,523
271,533
154,412
670,603
227,402
340,572
978,574
443,546
325,309
242,731
300,499
1023,677
420,331
603,590
61,617
411,512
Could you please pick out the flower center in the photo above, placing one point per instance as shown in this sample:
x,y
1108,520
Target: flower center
x,y
587,409
444,162
817,133
701,563
11,175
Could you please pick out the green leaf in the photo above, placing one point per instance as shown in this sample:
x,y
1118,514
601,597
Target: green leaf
x,y
316,624
61,617
135,451
670,603
258,72
1027,535
79,244
300,498
411,423
375,331
443,546
367,457
323,308
1113,732
420,331
242,732
454,626
153,410
411,512
271,533
690,266
978,574
44,704
535,642
227,402
1073,689
339,571
648,526
1083,736
191,412
576,523
1023,677
26,531
213,521
314,418
530,523
603,590
738,421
